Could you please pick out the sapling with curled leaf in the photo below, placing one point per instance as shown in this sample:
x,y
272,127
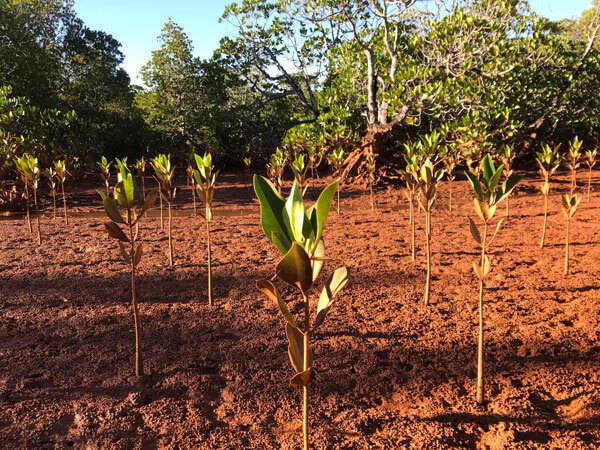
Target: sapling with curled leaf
x,y
428,178
590,161
573,160
164,172
206,178
548,161
570,202
104,165
51,177
488,193
127,197
60,167
297,233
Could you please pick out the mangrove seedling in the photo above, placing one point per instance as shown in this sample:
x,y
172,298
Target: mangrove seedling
x,y
164,171
573,160
128,198
104,165
507,157
410,174
51,177
29,169
336,159
548,161
60,167
192,184
140,168
206,177
488,193
300,168
247,164
297,233
590,161
276,167
570,202
429,177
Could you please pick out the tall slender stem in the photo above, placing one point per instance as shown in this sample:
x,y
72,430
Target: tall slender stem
x,y
53,204
37,217
305,366
62,188
450,195
27,207
480,337
162,220
545,221
371,195
573,181
411,218
194,196
169,223
139,365
209,258
338,200
428,250
589,186
507,207
566,267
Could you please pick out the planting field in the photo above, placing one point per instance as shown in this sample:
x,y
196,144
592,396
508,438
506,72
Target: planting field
x,y
392,372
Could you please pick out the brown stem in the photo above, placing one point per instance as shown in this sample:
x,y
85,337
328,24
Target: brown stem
x,y
589,186
194,197
372,198
411,218
507,207
209,258
62,188
566,268
545,221
37,217
450,196
428,250
162,220
170,220
53,204
338,200
139,365
480,340
573,181
27,208
305,366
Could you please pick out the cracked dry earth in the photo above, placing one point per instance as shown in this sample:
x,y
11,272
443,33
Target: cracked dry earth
x,y
393,372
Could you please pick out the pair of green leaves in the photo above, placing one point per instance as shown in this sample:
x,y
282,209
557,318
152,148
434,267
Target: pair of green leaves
x,y
488,191
570,202
285,221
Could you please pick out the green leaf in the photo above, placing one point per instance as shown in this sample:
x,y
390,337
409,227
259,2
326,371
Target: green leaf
x,y
322,207
508,186
271,291
271,213
115,232
295,269
336,283
111,208
317,264
475,184
293,214
474,231
488,168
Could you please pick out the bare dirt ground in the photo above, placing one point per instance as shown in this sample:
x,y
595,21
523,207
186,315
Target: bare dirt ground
x,y
393,372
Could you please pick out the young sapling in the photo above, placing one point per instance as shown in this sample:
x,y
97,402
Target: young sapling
x,y
276,167
297,233
140,167
164,172
336,159
570,202
192,184
104,165
206,177
548,161
51,177
300,169
590,161
247,165
573,160
507,157
60,167
128,197
488,193
429,177
29,169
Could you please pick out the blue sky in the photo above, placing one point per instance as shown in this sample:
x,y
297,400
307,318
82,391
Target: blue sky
x,y
136,23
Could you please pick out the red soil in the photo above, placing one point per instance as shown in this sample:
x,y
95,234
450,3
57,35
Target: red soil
x,y
393,372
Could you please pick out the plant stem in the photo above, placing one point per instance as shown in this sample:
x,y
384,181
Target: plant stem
x,y
507,207
480,342
37,217
545,221
573,181
428,250
209,259
589,186
372,198
411,219
194,197
106,186
338,201
27,208
162,220
566,268
305,366
450,195
62,188
139,366
143,185
170,220
53,204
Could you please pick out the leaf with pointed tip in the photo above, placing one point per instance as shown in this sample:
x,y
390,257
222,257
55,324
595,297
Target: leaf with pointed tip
x,y
498,226
296,348
111,208
271,213
293,213
508,186
474,231
488,168
150,200
486,266
317,259
477,270
295,269
115,232
322,207
123,252
477,206
475,184
271,291
336,283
